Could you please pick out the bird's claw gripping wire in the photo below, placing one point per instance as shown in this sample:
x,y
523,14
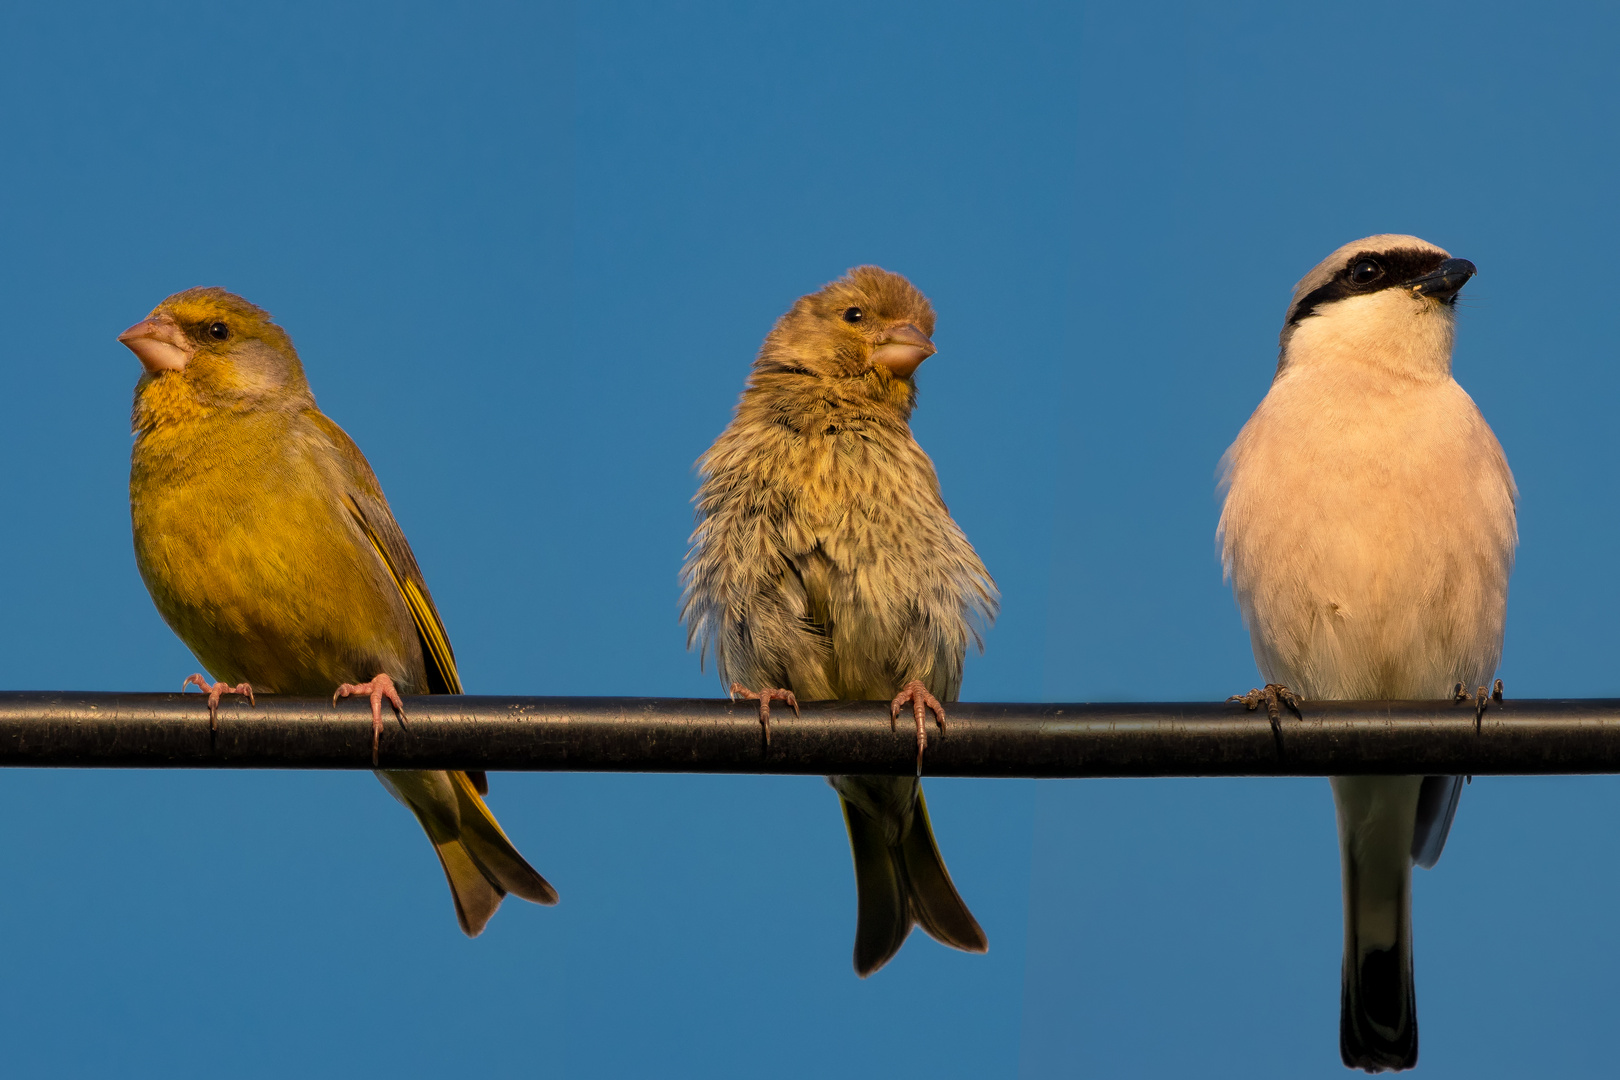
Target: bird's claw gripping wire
x,y
381,686
214,691
1275,696
921,701
765,696
1482,700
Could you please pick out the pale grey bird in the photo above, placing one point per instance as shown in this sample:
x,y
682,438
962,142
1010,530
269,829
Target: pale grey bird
x,y
1369,531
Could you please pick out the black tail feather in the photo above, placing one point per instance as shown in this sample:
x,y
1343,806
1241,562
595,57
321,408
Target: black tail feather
x,y
1378,1016
1378,1002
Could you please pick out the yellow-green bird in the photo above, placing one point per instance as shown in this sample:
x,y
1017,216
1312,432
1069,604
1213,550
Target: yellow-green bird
x,y
268,547
826,566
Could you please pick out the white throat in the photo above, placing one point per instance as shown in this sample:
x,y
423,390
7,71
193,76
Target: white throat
x,y
1391,332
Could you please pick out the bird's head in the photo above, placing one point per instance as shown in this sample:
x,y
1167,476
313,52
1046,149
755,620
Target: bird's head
x,y
225,349
1387,300
868,325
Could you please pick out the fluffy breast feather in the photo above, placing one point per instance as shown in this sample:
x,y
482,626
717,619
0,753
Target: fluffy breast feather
x,y
824,558
1369,532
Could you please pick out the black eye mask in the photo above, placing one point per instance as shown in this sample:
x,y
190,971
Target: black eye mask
x,y
1398,267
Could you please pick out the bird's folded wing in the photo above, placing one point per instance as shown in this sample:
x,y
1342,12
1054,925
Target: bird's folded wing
x,y
436,651
364,498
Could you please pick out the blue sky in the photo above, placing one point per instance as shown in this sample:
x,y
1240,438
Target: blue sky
x,y
527,254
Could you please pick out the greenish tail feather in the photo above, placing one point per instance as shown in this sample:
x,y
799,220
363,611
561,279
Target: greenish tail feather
x,y
882,920
935,903
476,896
488,844
900,886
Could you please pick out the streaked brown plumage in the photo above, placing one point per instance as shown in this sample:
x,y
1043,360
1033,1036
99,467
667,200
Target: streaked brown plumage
x,y
826,563
267,545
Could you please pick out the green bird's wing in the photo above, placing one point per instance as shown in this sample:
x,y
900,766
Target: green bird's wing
x,y
363,497
479,860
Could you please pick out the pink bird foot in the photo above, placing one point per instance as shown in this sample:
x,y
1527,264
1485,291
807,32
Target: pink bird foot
x,y
214,691
765,697
921,701
380,686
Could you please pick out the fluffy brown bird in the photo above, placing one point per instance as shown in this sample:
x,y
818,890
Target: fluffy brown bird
x,y
826,566
268,547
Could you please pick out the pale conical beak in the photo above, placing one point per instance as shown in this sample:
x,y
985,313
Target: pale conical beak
x,y
902,350
158,344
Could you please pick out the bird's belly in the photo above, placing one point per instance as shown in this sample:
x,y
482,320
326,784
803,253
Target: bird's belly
x,y
1360,609
272,592
1395,594
1369,537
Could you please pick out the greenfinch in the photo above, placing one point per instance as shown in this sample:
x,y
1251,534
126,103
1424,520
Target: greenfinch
x,y
826,566
268,547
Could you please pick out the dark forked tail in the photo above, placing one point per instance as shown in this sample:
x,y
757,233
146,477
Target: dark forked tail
x,y
902,884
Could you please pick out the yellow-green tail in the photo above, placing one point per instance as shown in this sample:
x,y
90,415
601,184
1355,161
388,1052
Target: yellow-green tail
x,y
901,885
479,861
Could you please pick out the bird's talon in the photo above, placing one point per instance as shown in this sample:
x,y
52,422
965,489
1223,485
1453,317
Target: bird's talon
x,y
1496,691
214,692
379,687
1274,696
765,697
921,702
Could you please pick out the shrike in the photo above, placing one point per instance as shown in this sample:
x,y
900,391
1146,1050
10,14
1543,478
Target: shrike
x,y
1369,531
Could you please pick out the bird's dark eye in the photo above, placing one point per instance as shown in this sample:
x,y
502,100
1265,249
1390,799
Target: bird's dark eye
x,y
853,314
218,331
1366,272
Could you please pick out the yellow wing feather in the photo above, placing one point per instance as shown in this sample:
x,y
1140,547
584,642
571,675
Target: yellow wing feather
x,y
435,642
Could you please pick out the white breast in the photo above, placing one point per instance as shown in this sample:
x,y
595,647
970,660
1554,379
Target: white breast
x,y
1369,532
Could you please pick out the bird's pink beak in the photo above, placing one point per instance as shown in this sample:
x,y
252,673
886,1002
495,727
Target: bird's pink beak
x,y
902,350
159,344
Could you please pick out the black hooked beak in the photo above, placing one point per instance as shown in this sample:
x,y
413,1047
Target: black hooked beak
x,y
1445,282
